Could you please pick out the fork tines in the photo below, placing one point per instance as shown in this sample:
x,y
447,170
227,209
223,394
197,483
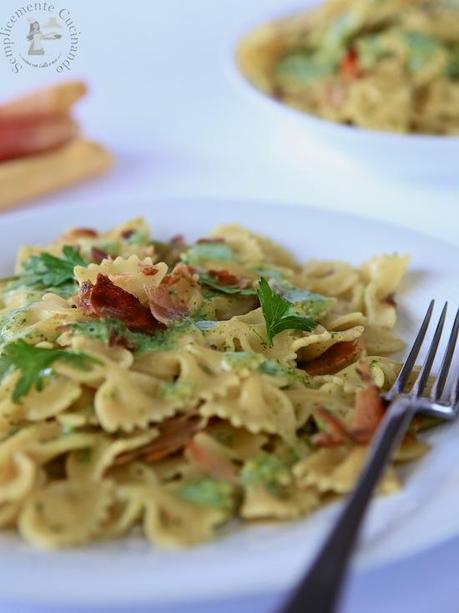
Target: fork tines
x,y
426,368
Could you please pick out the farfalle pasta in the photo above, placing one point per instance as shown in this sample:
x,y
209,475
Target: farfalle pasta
x,y
176,387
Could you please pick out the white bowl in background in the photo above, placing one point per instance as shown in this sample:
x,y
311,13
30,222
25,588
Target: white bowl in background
x,y
413,155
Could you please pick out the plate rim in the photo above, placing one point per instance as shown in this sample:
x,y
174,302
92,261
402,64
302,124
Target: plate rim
x,y
36,210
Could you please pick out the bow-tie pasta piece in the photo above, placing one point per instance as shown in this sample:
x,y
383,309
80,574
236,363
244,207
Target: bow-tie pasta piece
x,y
211,458
342,386
9,512
171,521
131,274
306,400
165,365
315,344
32,447
337,322
132,481
63,443
411,449
161,364
134,231
381,341
126,510
337,469
130,237
243,244
382,276
95,460
129,400
195,372
252,249
134,473
18,472
204,367
17,477
65,513
81,413
348,378
248,333
257,405
269,490
39,321
330,278
58,393
260,503
105,357
239,443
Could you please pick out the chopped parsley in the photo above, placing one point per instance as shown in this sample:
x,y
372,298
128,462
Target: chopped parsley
x,y
421,49
267,470
278,313
370,49
139,238
304,67
275,369
115,332
177,390
303,301
12,322
207,251
208,492
34,364
339,32
238,360
213,283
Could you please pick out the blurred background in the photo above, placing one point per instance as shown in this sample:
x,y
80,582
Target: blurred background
x,y
165,99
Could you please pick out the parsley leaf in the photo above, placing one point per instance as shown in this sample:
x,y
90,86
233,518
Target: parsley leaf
x,y
35,364
48,271
208,492
207,251
210,281
277,313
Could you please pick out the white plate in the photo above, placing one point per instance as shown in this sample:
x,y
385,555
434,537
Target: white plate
x,y
403,155
264,558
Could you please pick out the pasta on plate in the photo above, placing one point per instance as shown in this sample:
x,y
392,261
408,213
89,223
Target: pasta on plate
x,y
390,65
179,386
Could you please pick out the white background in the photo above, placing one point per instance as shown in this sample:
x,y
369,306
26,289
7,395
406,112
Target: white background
x,y
164,100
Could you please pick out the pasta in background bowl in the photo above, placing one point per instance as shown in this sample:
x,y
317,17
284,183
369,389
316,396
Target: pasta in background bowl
x,y
128,570
376,69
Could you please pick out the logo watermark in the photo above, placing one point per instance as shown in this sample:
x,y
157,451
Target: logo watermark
x,y
40,35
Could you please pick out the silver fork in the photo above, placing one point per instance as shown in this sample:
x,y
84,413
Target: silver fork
x,y
319,590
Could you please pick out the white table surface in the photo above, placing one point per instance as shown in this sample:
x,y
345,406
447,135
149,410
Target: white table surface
x,y
163,101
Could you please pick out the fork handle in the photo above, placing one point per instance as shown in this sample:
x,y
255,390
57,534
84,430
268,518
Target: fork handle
x,y
319,590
